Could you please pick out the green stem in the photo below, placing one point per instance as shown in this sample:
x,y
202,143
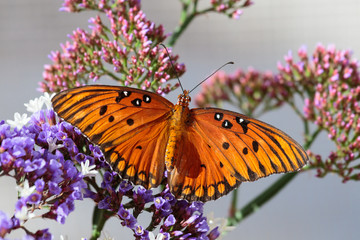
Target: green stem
x,y
310,141
186,18
181,28
261,199
269,193
233,207
99,219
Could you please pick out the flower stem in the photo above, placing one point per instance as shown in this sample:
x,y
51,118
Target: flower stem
x,y
233,207
257,202
186,17
185,20
99,219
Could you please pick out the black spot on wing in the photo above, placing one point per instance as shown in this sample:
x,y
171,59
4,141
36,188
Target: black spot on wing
x,y
96,137
239,177
245,150
243,123
130,122
274,166
225,145
136,102
218,116
226,124
262,169
122,95
103,110
89,127
255,146
252,175
111,119
146,98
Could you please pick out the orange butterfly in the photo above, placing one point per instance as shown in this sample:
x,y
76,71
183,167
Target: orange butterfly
x,y
207,152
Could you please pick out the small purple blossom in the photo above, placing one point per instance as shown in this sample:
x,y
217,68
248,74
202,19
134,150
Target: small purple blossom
x,y
169,221
6,224
34,198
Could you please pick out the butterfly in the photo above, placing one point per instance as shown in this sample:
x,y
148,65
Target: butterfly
x,y
206,152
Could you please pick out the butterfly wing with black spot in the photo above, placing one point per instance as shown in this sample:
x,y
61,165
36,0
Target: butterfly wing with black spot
x,y
230,148
129,125
198,175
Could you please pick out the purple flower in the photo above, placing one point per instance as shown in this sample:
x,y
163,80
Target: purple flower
x,y
125,186
54,188
143,195
169,221
34,198
32,165
39,184
5,224
62,212
123,213
128,219
159,202
43,235
139,230
105,203
214,233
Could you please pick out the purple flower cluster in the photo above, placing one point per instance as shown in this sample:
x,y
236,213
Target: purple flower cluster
x,y
248,90
174,218
53,165
330,83
42,157
128,43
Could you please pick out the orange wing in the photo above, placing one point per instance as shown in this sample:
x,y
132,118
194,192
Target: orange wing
x,y
225,148
129,125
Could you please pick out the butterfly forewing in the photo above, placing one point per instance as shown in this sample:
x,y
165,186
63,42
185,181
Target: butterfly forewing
x,y
128,124
252,148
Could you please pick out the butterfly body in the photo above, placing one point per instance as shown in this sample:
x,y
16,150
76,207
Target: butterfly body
x,y
207,152
178,122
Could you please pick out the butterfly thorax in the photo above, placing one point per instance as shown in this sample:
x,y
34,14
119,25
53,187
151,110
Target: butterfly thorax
x,y
184,99
178,122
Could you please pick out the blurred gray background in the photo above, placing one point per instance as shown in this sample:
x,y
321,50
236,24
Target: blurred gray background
x,y
308,208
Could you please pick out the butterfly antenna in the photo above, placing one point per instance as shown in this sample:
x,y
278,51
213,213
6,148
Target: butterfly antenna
x,y
210,75
177,76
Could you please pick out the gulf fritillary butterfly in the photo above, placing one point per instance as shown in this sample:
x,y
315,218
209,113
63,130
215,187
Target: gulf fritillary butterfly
x,y
207,152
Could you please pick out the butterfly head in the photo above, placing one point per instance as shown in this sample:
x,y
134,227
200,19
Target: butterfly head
x,y
184,99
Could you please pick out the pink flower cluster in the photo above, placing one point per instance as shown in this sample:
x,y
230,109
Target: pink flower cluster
x,y
249,90
230,7
126,50
330,84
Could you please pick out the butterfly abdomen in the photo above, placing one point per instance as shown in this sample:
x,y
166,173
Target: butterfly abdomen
x,y
177,125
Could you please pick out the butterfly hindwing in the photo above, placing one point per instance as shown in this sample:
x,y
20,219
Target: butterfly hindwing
x,y
199,175
117,119
252,148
